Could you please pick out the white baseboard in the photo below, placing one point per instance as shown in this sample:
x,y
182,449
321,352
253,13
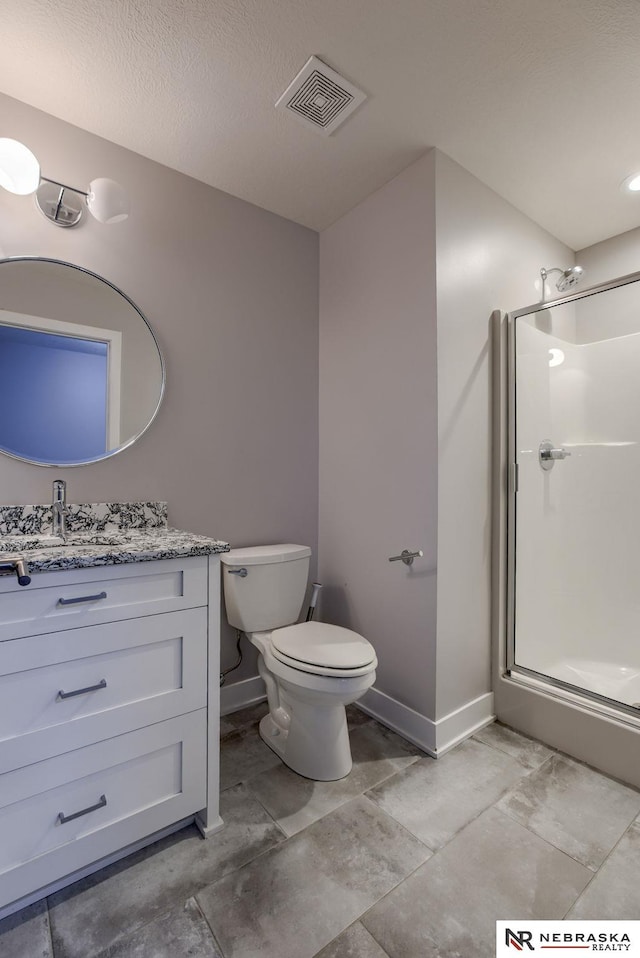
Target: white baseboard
x,y
402,719
463,722
434,738
239,695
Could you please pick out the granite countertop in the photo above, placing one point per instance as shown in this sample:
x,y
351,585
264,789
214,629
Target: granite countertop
x,y
98,534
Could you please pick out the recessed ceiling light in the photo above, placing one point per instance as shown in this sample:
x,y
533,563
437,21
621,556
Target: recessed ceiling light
x,y
632,183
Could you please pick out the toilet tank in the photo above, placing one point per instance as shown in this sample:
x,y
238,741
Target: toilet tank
x,y
271,593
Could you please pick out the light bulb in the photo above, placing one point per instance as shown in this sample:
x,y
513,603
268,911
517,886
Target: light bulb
x,y
107,200
19,169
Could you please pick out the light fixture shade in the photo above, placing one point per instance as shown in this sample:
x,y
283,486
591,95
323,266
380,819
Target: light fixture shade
x,y
107,200
19,169
632,183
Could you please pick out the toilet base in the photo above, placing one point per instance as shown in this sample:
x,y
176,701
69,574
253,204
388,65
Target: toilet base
x,y
326,757
307,723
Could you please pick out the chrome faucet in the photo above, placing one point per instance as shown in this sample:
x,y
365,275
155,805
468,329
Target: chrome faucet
x,y
59,509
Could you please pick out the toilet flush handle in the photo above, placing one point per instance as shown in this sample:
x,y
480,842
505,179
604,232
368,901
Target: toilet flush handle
x,y
241,572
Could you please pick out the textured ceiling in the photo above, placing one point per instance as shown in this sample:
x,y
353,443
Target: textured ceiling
x,y
535,97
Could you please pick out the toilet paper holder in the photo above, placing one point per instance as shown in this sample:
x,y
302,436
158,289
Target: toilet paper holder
x,y
407,557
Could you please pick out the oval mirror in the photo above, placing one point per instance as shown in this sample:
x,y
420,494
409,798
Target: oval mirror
x,y
81,373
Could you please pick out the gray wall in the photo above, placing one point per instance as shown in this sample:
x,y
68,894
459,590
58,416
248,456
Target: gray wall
x,y
611,258
232,294
378,429
489,257
408,282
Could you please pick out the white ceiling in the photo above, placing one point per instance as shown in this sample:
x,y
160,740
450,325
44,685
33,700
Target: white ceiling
x,y
535,97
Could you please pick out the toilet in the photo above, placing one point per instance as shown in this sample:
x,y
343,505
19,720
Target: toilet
x,y
311,670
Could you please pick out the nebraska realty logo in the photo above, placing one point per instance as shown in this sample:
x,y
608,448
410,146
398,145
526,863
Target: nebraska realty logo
x,y
567,936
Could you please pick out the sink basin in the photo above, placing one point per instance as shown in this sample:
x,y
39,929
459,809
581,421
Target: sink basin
x,y
29,543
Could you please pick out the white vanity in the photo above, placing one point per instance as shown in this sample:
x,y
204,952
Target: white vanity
x,y
109,704
109,649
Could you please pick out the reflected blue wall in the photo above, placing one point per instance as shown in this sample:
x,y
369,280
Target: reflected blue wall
x,y
53,396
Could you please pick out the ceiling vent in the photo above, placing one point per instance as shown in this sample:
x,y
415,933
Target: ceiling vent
x,y
320,98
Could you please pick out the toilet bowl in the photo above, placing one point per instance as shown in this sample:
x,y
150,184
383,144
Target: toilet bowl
x,y
311,670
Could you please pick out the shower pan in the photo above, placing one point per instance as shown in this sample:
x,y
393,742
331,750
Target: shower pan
x,y
570,589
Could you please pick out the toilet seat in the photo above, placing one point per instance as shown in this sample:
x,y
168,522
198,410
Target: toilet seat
x,y
322,649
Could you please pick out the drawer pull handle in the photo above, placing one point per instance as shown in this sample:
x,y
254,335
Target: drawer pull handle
x,y
62,818
83,598
102,684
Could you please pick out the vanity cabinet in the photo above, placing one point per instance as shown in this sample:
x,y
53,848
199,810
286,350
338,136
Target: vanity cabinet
x,y
109,716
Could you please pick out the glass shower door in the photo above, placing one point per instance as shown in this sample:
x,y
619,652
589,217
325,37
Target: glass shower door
x,y
576,444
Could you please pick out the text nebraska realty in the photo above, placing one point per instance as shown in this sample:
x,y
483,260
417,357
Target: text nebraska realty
x,y
598,941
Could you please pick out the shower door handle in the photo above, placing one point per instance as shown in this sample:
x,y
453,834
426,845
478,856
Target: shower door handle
x,y
548,453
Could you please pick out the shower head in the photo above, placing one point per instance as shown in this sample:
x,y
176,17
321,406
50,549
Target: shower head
x,y
568,277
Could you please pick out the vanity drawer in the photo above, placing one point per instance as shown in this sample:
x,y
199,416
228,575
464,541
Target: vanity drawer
x,y
107,594
138,783
63,690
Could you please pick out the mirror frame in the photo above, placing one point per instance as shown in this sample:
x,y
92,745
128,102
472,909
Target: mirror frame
x,y
130,442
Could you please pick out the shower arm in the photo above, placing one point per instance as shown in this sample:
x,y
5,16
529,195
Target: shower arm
x,y
544,274
553,269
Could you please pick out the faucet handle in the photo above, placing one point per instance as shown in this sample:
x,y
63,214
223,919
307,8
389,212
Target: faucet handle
x,y
19,566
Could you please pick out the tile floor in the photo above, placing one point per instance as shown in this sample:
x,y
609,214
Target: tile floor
x,y
405,858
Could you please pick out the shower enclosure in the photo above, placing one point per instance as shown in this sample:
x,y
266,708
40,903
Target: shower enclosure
x,y
572,458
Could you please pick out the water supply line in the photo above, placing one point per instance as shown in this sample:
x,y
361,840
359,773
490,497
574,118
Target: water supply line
x,y
315,592
223,675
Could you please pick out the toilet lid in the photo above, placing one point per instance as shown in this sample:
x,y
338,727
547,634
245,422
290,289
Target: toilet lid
x,y
323,646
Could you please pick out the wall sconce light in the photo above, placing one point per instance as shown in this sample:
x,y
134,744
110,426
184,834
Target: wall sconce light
x,y
63,205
